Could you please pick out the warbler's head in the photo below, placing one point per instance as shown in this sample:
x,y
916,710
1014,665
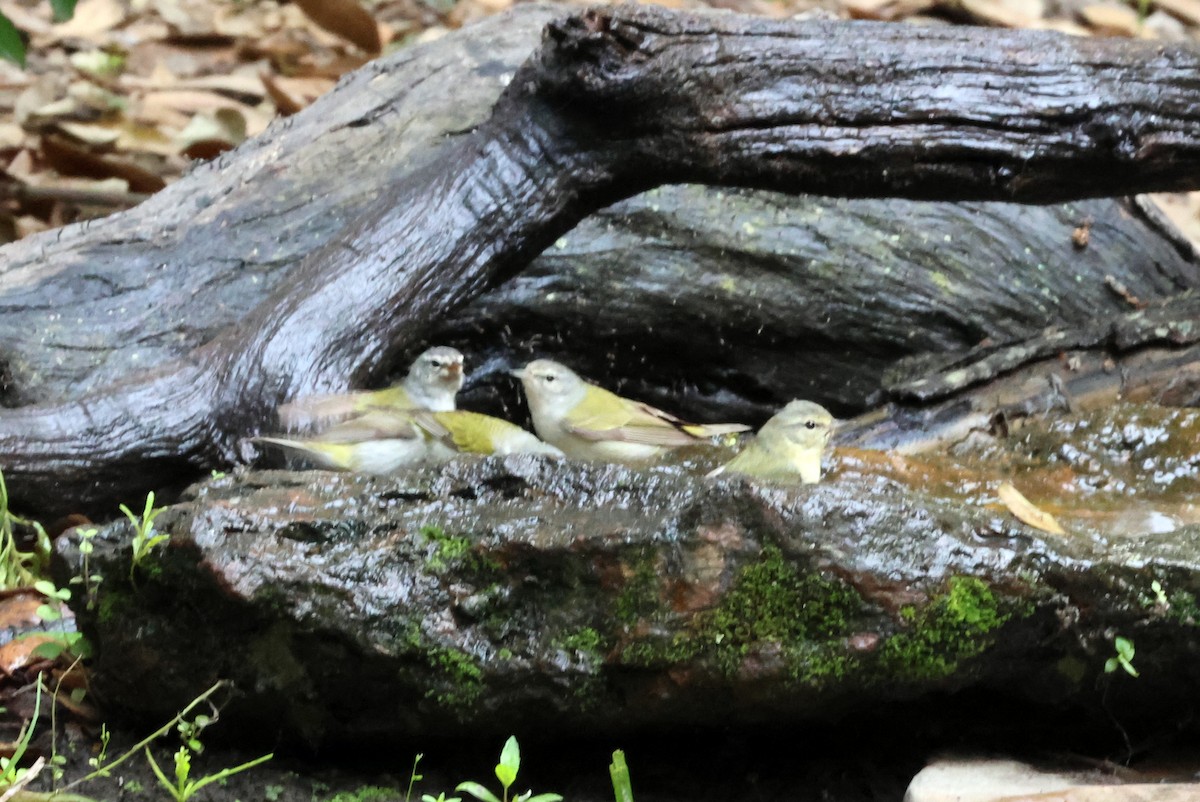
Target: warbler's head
x,y
551,386
801,423
437,370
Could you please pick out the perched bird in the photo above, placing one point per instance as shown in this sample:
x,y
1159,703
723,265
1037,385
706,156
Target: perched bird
x,y
788,447
589,422
383,442
461,432
377,442
434,379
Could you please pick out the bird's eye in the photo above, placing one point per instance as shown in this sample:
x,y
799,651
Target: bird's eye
x,y
549,378
810,424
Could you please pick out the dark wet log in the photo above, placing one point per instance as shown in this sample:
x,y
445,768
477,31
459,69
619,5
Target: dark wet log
x,y
516,595
613,103
728,304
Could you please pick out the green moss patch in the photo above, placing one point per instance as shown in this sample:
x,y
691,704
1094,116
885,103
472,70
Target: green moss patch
x,y
951,628
782,616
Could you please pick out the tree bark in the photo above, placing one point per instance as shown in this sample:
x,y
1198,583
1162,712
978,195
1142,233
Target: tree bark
x,y
617,101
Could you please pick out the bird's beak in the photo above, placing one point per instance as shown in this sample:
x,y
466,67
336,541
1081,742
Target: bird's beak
x,y
519,373
454,369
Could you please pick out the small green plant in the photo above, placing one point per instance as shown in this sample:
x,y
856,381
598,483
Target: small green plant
x,y
506,773
413,777
1123,658
144,538
89,581
98,760
622,788
184,787
13,776
66,641
18,569
1160,595
440,798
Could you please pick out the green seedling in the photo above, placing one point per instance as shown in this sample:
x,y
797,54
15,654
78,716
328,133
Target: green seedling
x,y
440,798
1160,595
506,773
90,581
18,569
1123,658
622,789
65,641
413,777
184,787
144,538
12,775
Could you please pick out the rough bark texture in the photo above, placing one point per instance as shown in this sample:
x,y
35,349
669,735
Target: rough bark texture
x,y
614,102
502,596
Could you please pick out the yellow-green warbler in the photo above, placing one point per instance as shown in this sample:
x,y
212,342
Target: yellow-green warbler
x,y
434,379
589,422
788,447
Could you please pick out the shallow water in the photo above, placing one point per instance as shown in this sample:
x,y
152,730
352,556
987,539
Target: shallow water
x,y
1124,470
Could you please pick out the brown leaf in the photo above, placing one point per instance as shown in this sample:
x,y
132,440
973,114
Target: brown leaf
x,y
346,18
1111,20
1186,10
1026,512
18,652
19,611
206,135
91,19
69,159
290,95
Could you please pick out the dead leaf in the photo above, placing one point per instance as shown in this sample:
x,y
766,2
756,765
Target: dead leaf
x,y
290,95
886,10
206,136
70,159
91,19
1111,20
346,18
19,611
90,134
18,652
1026,512
1005,13
1186,10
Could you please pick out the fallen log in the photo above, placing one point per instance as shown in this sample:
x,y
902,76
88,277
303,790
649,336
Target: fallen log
x,y
613,103
525,595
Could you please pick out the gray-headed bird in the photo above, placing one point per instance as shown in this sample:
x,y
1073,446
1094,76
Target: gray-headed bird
x,y
788,447
433,380
589,422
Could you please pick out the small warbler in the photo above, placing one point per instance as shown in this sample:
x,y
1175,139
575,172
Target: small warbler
x,y
434,379
589,422
788,447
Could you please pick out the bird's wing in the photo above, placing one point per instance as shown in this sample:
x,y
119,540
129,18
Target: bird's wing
x,y
374,425
464,431
614,418
629,421
314,410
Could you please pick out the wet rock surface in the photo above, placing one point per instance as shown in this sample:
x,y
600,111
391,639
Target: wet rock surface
x,y
489,595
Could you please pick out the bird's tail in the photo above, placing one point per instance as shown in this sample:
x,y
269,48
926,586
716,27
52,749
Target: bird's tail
x,y
322,454
714,429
